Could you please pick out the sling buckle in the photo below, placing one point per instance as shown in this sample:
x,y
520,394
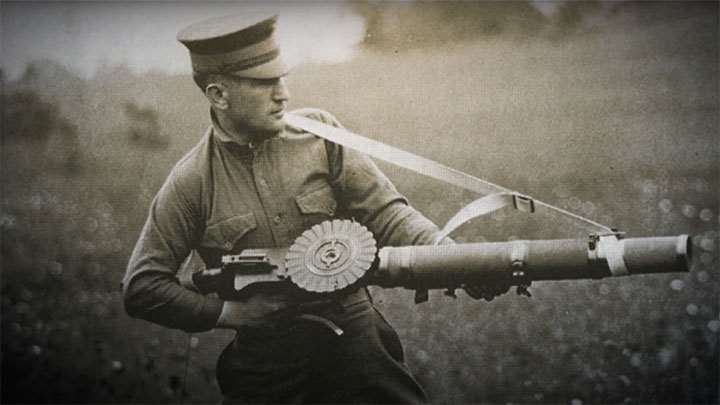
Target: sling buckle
x,y
523,203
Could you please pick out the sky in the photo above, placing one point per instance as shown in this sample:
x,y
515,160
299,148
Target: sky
x,y
85,35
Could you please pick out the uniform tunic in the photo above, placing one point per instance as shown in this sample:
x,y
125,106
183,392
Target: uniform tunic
x,y
223,197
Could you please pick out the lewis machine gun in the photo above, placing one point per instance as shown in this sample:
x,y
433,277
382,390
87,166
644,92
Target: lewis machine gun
x,y
338,254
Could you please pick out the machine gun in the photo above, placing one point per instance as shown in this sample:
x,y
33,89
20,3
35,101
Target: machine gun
x,y
337,254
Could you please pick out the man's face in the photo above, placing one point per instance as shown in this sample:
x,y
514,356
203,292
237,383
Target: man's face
x,y
257,105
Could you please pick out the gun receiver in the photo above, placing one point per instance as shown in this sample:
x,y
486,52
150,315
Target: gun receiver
x,y
340,253
239,271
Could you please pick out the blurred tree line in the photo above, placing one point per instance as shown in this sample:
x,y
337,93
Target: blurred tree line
x,y
402,26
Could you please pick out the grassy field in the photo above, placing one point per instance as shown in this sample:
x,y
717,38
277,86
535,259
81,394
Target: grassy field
x,y
618,122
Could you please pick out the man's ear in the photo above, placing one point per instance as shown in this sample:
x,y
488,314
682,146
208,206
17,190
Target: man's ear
x,y
217,95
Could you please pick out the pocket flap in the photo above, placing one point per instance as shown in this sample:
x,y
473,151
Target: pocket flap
x,y
224,234
318,201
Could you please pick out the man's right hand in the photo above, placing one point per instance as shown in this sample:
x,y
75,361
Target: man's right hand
x,y
252,312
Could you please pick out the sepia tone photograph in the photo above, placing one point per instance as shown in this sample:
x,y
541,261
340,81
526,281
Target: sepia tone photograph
x,y
433,202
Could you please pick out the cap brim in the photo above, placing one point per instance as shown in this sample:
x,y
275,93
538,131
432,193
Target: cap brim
x,y
270,70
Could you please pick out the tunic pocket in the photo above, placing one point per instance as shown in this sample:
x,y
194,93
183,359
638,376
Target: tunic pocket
x,y
317,205
225,234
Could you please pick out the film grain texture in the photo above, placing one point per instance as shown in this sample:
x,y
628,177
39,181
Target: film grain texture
x,y
607,109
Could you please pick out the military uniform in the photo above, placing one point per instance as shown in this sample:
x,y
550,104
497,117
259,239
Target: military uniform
x,y
225,196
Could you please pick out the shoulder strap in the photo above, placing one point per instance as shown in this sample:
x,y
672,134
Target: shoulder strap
x,y
496,196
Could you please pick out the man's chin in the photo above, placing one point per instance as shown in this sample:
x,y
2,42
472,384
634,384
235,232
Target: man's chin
x,y
279,125
266,129
269,132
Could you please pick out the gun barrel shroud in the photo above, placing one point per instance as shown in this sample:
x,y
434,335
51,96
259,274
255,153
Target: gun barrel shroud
x,y
448,266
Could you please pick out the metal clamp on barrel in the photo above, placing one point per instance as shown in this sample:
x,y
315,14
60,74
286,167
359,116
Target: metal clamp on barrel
x,y
519,255
610,248
518,261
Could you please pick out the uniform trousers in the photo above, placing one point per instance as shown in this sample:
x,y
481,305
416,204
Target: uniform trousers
x,y
301,361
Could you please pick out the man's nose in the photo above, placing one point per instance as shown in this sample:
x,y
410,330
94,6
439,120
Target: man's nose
x,y
280,91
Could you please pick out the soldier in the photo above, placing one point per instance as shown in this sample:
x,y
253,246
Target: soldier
x,y
253,182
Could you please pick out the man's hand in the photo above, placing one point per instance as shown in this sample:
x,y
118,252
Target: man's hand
x,y
486,291
255,310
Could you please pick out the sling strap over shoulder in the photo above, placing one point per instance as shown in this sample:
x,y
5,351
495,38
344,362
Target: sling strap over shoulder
x,y
494,197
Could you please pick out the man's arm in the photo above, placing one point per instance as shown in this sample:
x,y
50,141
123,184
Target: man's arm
x,y
151,289
373,200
